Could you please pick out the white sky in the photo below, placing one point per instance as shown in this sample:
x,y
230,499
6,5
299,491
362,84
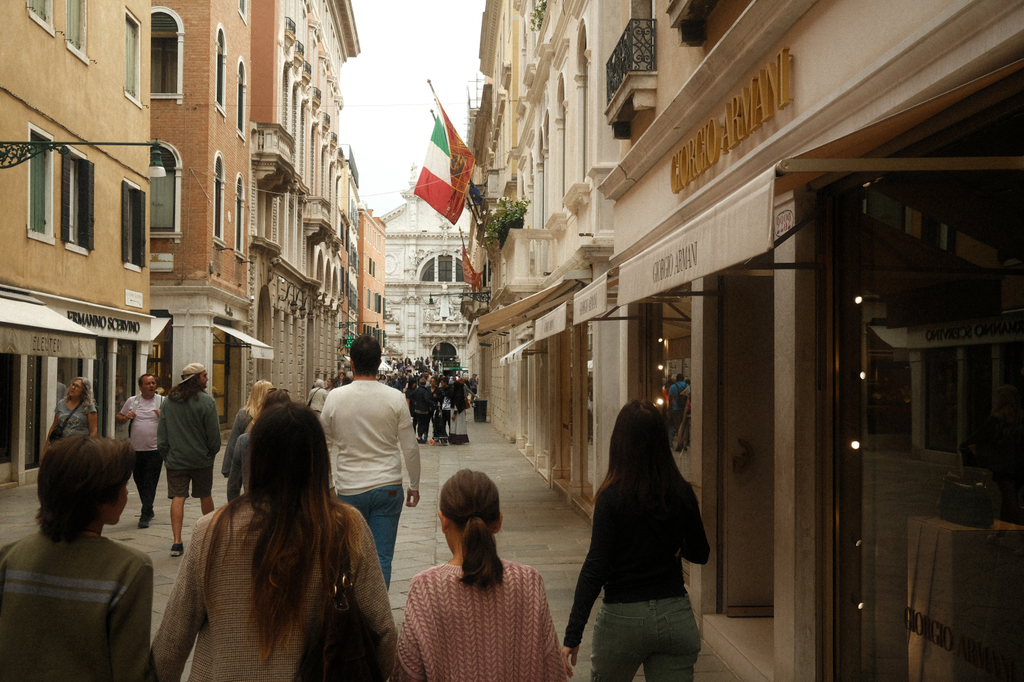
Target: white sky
x,y
386,118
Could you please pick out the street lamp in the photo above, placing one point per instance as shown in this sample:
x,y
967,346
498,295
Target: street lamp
x,y
484,296
15,153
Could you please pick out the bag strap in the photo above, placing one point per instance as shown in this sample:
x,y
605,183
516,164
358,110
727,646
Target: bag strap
x,y
70,414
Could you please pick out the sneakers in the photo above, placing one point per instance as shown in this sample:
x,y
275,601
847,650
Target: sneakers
x,y
177,549
144,521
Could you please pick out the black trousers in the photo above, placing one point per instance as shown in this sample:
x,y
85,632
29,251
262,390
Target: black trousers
x,y
441,418
148,464
422,423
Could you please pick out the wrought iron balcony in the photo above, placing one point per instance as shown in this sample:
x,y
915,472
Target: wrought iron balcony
x,y
635,52
316,94
327,120
289,25
334,139
300,48
307,69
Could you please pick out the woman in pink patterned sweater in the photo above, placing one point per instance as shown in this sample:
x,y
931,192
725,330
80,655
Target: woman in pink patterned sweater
x,y
476,617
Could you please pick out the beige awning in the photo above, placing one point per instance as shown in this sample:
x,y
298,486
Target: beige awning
x,y
516,354
157,326
553,323
732,231
28,327
529,308
591,301
258,349
846,154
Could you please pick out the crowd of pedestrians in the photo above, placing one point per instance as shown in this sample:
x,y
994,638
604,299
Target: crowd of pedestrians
x,y
315,496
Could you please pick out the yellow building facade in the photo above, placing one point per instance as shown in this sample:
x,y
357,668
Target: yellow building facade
x,y
74,285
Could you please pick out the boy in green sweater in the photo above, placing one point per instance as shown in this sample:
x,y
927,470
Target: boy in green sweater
x,y
75,605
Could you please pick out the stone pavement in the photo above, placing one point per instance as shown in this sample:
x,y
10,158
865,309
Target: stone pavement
x,y
539,529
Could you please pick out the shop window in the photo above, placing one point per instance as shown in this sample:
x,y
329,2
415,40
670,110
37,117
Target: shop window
x,y
7,394
160,356
930,305
133,224
124,373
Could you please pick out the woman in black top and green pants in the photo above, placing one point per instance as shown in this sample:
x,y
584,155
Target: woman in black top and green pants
x,y
646,520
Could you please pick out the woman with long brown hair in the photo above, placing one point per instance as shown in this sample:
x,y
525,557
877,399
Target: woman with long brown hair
x,y
477,617
646,520
259,572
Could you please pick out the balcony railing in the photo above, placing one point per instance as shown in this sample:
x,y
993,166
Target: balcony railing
x,y
289,25
634,52
334,138
300,48
316,93
307,69
327,120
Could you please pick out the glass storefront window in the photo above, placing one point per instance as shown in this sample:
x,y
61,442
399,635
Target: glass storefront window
x,y
930,308
159,363
125,378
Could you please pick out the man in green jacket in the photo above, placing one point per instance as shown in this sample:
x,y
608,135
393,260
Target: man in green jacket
x,y
188,439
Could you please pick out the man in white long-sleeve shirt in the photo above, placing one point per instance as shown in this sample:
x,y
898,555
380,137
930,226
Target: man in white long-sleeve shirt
x,y
369,430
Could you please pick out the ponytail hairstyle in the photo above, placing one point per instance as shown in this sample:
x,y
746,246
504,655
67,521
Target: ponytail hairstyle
x,y
469,499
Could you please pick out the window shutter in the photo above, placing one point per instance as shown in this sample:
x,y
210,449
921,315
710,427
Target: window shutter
x,y
139,227
164,23
86,200
66,167
126,223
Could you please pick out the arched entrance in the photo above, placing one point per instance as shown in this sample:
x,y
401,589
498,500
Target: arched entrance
x,y
445,353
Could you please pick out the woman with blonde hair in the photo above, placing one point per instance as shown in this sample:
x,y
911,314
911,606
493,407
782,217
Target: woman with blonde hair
x,y
260,572
477,591
231,467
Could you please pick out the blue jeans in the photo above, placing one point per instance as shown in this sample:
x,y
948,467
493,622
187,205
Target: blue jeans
x,y
660,634
381,507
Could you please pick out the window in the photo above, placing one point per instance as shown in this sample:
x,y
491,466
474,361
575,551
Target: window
x,y
133,224
163,195
74,32
459,275
131,57
241,8
221,67
40,172
165,55
241,98
238,214
218,199
444,268
428,272
76,201
369,300
42,9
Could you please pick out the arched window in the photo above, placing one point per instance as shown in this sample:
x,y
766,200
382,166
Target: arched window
x,y
163,194
218,198
165,63
239,206
428,272
222,58
241,98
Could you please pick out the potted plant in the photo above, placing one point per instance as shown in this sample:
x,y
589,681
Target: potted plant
x,y
508,215
537,15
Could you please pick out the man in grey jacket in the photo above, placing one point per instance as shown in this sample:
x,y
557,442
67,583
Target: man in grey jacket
x,y
189,439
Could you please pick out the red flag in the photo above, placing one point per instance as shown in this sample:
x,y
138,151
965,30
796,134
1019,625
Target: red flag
x,y
475,279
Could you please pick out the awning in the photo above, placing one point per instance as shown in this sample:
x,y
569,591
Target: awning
x,y
28,327
734,230
516,354
591,300
529,308
553,323
157,326
846,154
259,350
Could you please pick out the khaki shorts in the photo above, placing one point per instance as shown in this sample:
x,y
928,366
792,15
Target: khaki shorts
x,y
201,479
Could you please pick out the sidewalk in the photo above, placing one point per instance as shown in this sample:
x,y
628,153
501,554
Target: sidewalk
x,y
539,529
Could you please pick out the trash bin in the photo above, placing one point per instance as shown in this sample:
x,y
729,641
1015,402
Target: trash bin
x,y
480,411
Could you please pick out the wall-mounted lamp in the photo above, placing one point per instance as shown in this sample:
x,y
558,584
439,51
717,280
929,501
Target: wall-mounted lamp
x,y
16,153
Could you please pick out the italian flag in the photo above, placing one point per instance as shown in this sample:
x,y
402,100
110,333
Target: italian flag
x,y
445,174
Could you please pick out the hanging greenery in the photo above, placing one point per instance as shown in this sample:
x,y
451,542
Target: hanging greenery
x,y
537,16
506,216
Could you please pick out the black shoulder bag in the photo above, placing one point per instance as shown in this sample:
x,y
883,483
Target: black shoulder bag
x,y
58,430
343,646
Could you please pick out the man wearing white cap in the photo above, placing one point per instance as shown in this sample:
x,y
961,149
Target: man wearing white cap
x,y
189,439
